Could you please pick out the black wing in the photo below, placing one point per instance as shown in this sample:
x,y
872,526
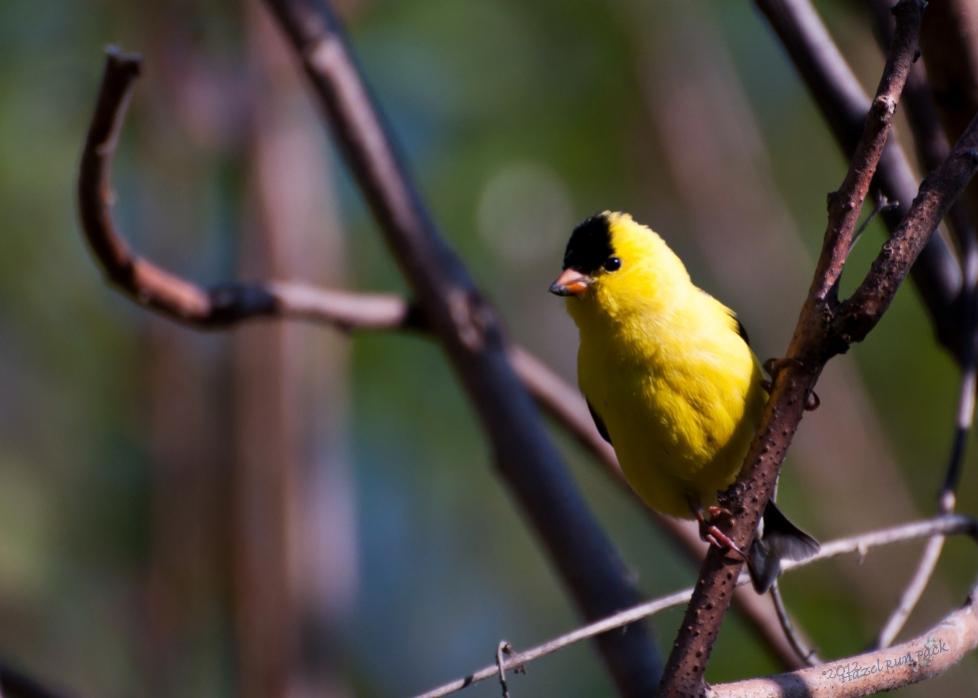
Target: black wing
x,y
741,330
599,423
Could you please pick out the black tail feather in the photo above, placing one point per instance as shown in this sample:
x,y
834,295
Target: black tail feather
x,y
779,540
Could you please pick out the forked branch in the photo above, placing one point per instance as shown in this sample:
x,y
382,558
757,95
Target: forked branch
x,y
825,328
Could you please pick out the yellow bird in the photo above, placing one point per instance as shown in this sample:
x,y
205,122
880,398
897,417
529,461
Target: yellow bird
x,y
670,380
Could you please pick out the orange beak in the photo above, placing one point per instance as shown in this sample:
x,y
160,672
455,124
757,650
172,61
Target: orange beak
x,y
570,283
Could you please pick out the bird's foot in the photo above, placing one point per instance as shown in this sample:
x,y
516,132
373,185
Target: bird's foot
x,y
711,533
772,367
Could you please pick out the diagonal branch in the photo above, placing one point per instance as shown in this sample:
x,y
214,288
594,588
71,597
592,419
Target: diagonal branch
x,y
931,143
931,653
807,654
825,328
844,105
860,313
449,305
469,330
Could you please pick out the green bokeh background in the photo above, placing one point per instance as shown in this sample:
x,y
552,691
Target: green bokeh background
x,y
518,119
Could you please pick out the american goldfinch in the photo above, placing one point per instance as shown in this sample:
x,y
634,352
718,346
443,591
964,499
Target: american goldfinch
x,y
670,380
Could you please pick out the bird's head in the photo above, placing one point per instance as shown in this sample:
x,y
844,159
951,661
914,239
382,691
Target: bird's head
x,y
614,267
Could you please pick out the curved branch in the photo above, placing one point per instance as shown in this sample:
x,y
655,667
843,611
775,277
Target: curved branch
x,y
171,295
449,305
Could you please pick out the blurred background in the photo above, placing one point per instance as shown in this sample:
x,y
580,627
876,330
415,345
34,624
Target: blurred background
x,y
180,511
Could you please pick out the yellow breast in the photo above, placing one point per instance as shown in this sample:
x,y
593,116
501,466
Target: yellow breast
x,y
680,395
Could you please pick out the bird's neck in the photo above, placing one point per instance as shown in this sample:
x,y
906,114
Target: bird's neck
x,y
636,317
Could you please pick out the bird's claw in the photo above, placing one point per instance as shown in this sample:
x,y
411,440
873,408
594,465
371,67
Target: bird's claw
x,y
812,401
711,533
772,367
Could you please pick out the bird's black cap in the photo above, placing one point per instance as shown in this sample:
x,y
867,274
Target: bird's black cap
x,y
589,245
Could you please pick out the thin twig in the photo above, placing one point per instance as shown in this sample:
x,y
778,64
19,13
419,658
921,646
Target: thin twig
x,y
953,524
174,296
503,650
912,593
882,204
963,421
806,654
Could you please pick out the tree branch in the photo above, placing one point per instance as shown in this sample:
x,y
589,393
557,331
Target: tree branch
x,y
929,654
929,138
806,654
825,327
470,332
860,313
947,497
949,43
844,105
938,526
450,306
169,294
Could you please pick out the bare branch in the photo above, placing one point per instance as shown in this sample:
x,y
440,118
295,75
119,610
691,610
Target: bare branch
x,y
929,138
825,328
471,334
948,495
860,313
933,148
844,105
807,654
169,294
941,525
929,654
911,595
451,306
950,51
846,204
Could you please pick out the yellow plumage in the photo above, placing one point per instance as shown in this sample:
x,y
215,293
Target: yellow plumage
x,y
663,365
666,370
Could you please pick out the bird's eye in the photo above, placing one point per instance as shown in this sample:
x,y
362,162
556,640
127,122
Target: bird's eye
x,y
612,264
